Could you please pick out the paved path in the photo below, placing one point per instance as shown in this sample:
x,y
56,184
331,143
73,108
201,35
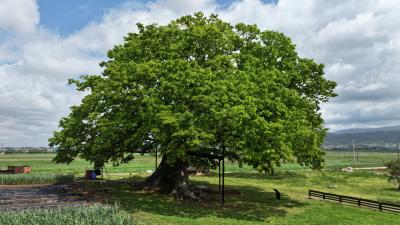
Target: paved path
x,y
24,197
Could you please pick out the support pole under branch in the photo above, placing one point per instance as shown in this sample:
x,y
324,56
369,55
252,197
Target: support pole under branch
x,y
219,175
223,176
156,160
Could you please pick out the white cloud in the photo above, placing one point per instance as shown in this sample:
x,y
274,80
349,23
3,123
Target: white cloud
x,y
359,41
20,16
179,7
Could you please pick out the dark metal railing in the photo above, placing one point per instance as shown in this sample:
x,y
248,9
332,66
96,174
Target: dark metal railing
x,y
355,201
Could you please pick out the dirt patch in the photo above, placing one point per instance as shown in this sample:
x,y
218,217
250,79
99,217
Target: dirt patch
x,y
40,196
82,192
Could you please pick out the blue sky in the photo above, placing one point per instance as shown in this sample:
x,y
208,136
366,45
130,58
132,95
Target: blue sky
x,y
67,16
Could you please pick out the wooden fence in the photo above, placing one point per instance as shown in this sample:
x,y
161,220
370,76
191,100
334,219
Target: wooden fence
x,y
355,201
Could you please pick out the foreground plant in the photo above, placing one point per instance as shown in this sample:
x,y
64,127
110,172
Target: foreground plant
x,y
199,90
82,215
35,178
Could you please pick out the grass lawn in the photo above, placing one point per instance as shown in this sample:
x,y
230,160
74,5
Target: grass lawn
x,y
256,202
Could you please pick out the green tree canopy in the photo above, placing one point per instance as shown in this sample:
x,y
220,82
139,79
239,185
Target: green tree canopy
x,y
194,88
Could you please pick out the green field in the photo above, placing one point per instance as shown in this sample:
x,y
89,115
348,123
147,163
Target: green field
x,y
255,204
41,163
336,159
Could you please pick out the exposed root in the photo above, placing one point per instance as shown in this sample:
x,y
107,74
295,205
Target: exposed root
x,y
169,179
182,191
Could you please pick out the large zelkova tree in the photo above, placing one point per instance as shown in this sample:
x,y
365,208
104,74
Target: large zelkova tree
x,y
199,89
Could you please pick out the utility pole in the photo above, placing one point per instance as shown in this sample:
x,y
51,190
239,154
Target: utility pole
x,y
354,153
356,150
398,152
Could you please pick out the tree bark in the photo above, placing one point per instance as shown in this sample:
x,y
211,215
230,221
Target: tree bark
x,y
170,179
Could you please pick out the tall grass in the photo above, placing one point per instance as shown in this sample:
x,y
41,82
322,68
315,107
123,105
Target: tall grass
x,y
37,178
82,215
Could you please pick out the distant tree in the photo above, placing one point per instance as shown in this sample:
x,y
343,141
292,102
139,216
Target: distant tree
x,y
199,89
394,170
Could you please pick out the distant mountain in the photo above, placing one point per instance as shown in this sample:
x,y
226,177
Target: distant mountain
x,y
383,136
367,130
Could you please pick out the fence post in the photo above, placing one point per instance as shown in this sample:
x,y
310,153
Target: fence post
x,y
323,196
380,206
309,193
359,202
340,199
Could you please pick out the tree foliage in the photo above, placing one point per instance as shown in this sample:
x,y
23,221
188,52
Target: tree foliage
x,y
195,88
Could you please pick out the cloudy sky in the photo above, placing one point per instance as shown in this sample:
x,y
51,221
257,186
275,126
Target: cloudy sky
x,y
45,42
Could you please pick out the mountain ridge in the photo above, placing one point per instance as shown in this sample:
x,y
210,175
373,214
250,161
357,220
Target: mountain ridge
x,y
381,136
367,130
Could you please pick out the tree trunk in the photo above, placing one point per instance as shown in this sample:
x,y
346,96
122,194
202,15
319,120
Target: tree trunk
x,y
170,179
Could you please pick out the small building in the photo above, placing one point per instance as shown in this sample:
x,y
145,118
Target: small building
x,y
17,169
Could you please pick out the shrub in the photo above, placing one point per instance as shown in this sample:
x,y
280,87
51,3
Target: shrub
x,y
394,170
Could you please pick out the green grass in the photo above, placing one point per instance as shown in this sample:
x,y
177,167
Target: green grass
x,y
17,179
83,215
330,214
256,203
336,159
41,163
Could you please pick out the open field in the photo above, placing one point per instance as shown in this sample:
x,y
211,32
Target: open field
x,y
255,203
341,159
41,163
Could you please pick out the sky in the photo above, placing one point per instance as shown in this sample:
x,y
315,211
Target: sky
x,y
45,42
